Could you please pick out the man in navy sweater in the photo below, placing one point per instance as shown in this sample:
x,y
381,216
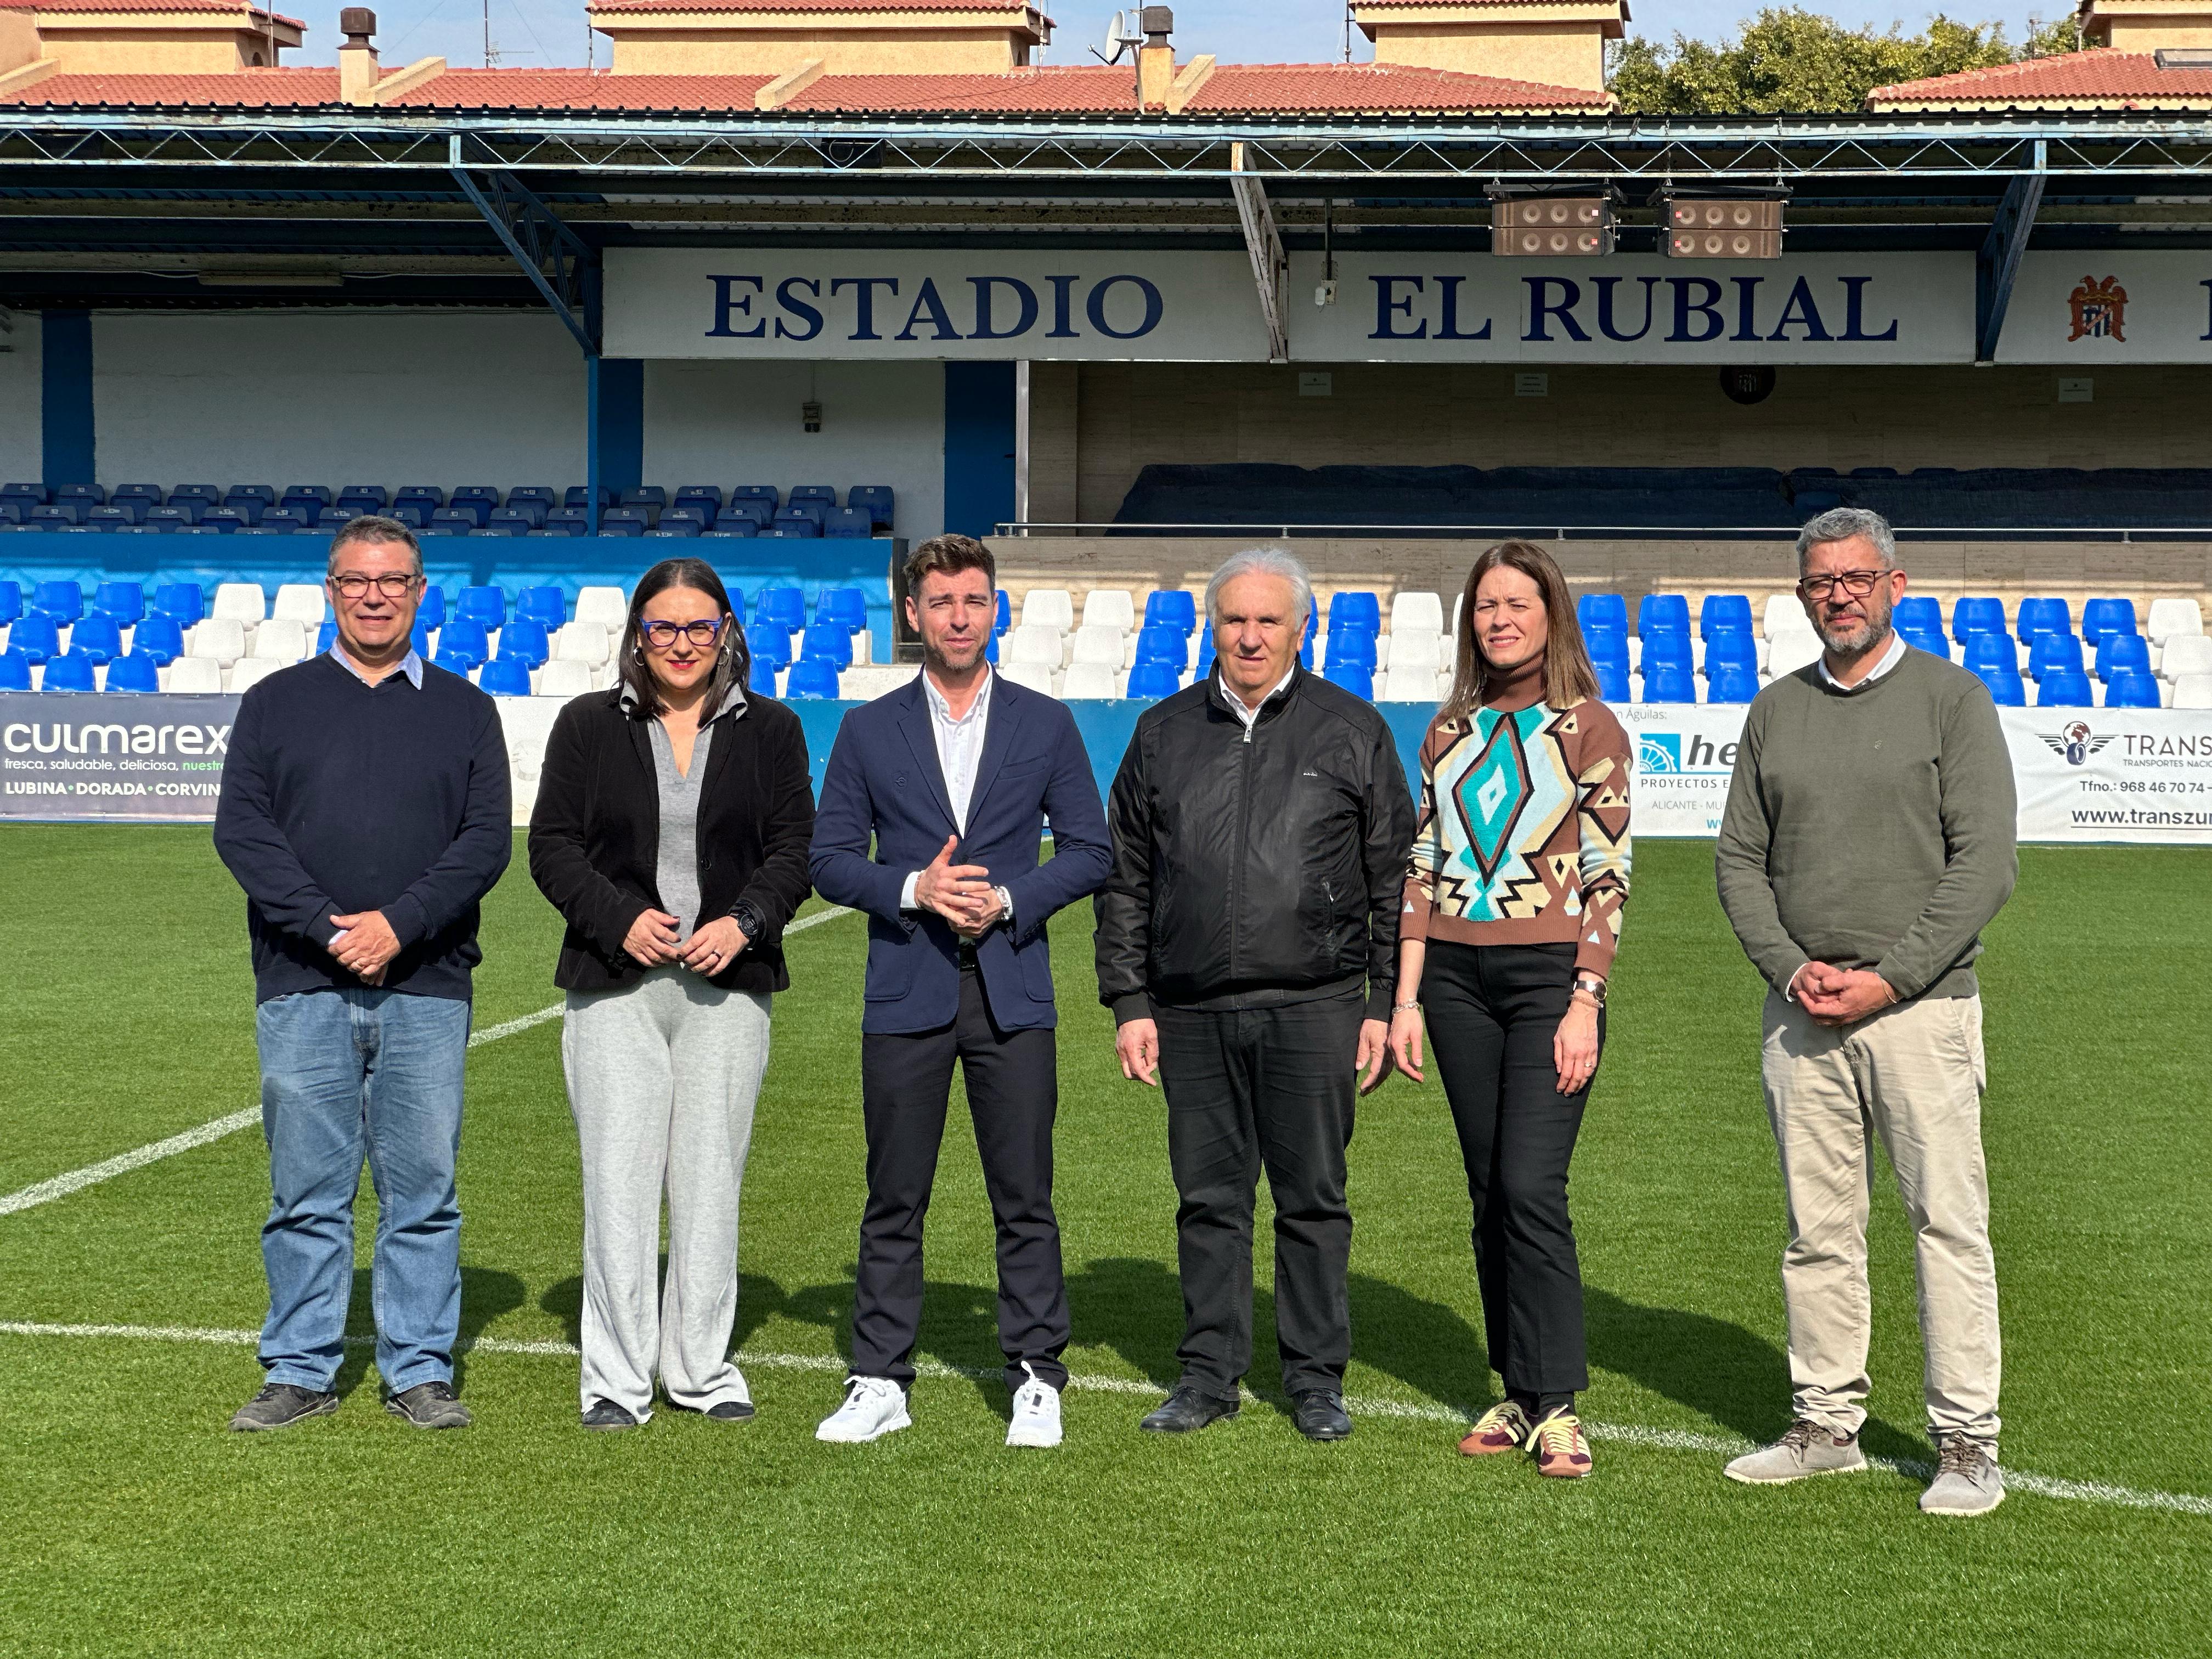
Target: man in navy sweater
x,y
365,810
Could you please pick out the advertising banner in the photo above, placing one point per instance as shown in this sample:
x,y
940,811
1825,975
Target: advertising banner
x,y
2090,308
112,758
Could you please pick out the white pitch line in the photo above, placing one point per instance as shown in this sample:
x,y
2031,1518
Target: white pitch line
x,y
1629,1434
61,1186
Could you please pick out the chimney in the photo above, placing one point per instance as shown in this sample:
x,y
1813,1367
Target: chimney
x,y
358,71
1156,57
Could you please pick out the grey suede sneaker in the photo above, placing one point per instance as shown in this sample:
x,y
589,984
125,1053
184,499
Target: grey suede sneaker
x,y
1967,1479
279,1406
1808,1450
429,1405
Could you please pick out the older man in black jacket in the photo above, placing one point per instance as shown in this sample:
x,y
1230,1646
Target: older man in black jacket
x,y
1247,945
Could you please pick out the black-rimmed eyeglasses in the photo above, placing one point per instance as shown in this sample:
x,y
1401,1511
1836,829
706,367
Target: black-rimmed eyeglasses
x,y
661,635
354,586
1857,583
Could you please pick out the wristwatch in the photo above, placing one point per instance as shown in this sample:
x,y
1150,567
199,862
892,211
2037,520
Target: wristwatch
x,y
749,919
1591,987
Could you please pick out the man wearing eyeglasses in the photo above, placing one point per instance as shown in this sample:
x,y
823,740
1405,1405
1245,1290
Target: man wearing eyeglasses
x,y
365,810
1869,838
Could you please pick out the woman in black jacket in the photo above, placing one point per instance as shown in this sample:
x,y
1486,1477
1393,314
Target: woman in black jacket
x,y
672,830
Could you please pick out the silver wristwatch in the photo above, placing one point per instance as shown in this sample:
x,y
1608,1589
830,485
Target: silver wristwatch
x,y
1591,987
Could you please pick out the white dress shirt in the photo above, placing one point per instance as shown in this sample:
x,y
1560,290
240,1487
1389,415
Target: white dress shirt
x,y
410,666
1890,659
1250,715
959,756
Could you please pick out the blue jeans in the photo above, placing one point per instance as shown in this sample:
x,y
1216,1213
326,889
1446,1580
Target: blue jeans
x,y
344,1074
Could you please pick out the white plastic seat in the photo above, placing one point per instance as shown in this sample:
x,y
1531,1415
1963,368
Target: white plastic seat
x,y
240,602
300,602
1089,680
1783,613
587,643
2186,655
192,677
1034,675
281,640
1097,642
1408,685
1034,643
222,639
1105,607
1444,678
1416,650
1424,612
604,605
1791,651
563,677
2171,619
252,670
1052,607
2193,691
859,684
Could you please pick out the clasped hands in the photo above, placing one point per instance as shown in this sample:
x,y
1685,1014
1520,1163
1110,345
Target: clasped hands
x,y
364,945
961,893
1840,996
712,946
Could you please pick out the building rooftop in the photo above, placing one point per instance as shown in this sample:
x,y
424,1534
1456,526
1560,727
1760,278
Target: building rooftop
x,y
2097,79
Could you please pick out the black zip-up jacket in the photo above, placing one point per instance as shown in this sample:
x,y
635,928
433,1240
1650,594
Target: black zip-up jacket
x,y
595,836
1255,866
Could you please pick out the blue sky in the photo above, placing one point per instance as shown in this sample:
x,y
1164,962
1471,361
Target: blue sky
x,y
534,33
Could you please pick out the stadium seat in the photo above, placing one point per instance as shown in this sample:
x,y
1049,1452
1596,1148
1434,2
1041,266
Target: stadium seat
x,y
569,521
1993,651
796,523
54,514
63,601
2127,689
2123,654
175,515
1155,679
588,642
709,496
194,676
2173,618
88,494
425,498
1418,651
72,670
2100,617
1162,644
113,517
2186,655
626,521
431,611
1004,615
300,602
1730,649
27,494
484,605
1612,682
14,671
249,671
1668,683
369,497
1204,651
1658,614
203,495
2193,691
850,524
220,638
463,640
768,643
1408,685
1935,643
1035,644
11,602
1670,653
1351,648
829,641
1722,613
2005,685
281,640
676,526
822,494
878,501
1171,607
1090,680
812,678
516,521
546,606
761,678
846,606
483,496
159,639
121,603
134,673
527,642
1785,613
240,602
2051,653
1732,684
766,495
784,607
98,638
1591,610
1356,677
184,601
563,679
1109,607
2064,688
230,520
1049,607
2036,617
1919,613
1108,645
1415,611
149,494
325,637
505,676
1976,616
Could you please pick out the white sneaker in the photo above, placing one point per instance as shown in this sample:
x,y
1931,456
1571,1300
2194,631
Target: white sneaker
x,y
874,1407
1036,1412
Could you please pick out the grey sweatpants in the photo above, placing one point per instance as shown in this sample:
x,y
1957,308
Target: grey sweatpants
x,y
662,1078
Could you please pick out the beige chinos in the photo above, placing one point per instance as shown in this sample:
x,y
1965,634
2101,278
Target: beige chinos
x,y
1914,1075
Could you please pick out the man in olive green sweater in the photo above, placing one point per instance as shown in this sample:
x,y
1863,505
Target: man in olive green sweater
x,y
1868,839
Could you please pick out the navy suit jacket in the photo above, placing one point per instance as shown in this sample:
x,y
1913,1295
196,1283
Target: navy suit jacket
x,y
884,781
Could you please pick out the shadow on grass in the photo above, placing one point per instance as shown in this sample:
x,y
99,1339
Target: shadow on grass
x,y
486,1294
1426,1345
959,1326
759,1299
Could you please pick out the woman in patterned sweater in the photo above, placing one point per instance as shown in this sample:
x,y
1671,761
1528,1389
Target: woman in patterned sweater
x,y
1512,913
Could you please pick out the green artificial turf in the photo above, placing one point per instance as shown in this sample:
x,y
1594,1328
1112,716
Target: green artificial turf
x,y
135,1524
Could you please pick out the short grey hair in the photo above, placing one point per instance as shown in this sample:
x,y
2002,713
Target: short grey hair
x,y
1277,561
373,527
1841,524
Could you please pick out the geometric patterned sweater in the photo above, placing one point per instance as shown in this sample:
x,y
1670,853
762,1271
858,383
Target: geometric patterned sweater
x,y
1523,833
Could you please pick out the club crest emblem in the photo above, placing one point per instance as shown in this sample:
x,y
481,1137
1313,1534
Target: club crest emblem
x,y
2100,309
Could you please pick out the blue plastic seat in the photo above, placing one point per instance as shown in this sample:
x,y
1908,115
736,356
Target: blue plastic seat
x,y
14,671
795,524
72,670
111,518
1610,650
1976,616
766,495
262,493
2127,689
175,515
761,680
2039,616
1670,653
757,514
850,524
878,501
63,601
427,497
184,601
830,641
527,642
1729,649
431,611
1732,685
372,497
1919,613
205,495
483,495
2103,616
812,678
1204,652
708,496
1353,648
580,495
2007,688
822,493
1660,614
2122,654
532,495
784,606
159,639
136,672
626,521
284,518
1155,679
11,602
89,494
150,494
253,510
463,639
505,676
1171,646
1612,682
331,516
97,637
1932,641
2050,653
1724,613
486,606
1355,677
768,643
1993,651
2067,689
645,495
682,530
1002,616
29,494
846,606
516,521
569,521
1172,607
991,651
125,602
1601,610
227,519
733,530
326,635
1668,683
813,510
547,606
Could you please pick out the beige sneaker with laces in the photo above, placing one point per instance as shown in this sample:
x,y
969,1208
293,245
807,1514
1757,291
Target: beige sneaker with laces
x,y
1807,1450
1561,1450
1504,1428
1967,1479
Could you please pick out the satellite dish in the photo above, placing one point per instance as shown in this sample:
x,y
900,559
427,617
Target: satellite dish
x,y
1122,34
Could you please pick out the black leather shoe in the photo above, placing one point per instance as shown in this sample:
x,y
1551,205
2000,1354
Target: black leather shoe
x,y
1188,1408
1320,1414
606,1417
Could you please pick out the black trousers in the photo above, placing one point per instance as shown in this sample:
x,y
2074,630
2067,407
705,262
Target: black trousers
x,y
1492,1012
1013,1095
1273,1089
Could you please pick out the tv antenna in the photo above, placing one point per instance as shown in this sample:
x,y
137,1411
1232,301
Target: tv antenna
x,y
1124,32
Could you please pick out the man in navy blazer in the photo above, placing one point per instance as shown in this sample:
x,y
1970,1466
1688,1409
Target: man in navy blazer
x,y
953,777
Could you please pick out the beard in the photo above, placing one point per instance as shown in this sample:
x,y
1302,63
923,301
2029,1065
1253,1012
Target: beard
x,y
1854,636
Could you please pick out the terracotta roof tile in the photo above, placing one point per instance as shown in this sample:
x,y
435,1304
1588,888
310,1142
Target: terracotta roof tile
x,y
1353,88
2124,80
231,7
576,88
241,89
